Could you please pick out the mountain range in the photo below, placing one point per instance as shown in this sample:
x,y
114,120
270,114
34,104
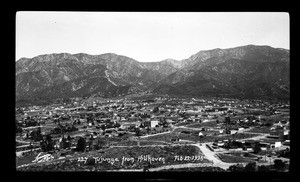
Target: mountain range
x,y
246,72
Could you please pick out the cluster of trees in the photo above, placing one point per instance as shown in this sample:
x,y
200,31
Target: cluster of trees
x,y
93,144
62,129
19,111
145,115
278,165
30,122
285,153
36,135
58,118
65,142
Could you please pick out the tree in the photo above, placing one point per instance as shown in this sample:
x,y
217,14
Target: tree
x,y
279,164
137,132
148,129
250,167
262,169
227,120
155,109
256,148
80,144
43,145
49,143
69,138
90,161
36,135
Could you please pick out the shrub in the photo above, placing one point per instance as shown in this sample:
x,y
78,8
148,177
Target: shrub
x,y
279,164
250,167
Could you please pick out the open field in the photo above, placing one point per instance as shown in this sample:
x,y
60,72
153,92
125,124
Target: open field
x,y
142,143
25,160
229,158
182,124
269,140
205,124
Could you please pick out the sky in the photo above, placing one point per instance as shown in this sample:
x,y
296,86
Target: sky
x,y
146,36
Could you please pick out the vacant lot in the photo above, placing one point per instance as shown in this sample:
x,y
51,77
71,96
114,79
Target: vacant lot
x,y
262,129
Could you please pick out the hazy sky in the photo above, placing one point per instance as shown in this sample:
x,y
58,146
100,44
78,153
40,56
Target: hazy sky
x,y
146,36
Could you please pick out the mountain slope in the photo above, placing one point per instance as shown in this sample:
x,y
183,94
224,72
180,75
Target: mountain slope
x,y
249,71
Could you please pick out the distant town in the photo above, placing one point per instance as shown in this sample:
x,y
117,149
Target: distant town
x,y
154,132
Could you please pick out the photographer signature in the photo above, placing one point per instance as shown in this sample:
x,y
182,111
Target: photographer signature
x,y
43,158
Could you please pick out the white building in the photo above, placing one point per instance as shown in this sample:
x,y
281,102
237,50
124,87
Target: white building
x,y
152,123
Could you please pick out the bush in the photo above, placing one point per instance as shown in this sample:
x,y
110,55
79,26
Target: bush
x,y
236,168
262,169
90,161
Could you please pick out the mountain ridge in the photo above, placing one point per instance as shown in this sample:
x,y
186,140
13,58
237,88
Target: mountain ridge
x,y
205,72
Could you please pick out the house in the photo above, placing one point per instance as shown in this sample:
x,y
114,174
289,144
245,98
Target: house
x,y
169,121
286,134
276,145
240,129
231,132
286,142
151,124
128,125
